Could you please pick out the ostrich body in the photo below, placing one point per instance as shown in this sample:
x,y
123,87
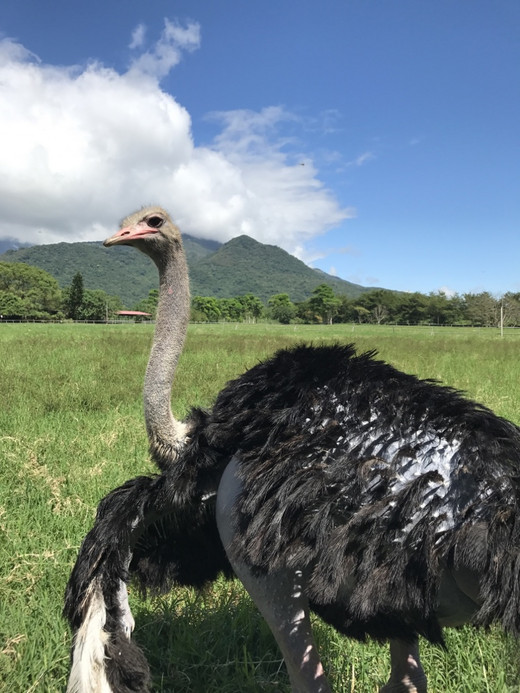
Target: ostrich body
x,y
336,483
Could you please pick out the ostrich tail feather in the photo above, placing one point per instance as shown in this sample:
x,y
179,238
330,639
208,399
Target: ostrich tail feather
x,y
103,658
88,651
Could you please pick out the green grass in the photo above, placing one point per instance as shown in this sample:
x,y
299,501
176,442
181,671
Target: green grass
x,y
71,429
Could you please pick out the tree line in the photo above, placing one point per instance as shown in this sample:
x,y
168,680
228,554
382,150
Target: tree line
x,y
377,307
27,292
30,293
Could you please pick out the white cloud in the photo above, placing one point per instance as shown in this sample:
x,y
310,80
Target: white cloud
x,y
138,36
167,52
362,159
286,201
79,144
310,255
372,281
254,134
331,120
83,146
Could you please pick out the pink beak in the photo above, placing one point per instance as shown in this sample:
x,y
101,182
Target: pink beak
x,y
129,233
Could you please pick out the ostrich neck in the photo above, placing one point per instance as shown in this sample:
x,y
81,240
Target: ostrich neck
x,y
165,433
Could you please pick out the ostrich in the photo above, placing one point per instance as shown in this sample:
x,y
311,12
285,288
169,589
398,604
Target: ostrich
x,y
326,481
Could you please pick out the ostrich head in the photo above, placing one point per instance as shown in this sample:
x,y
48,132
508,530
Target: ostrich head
x,y
152,231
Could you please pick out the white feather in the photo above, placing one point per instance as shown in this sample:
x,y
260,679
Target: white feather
x,y
88,658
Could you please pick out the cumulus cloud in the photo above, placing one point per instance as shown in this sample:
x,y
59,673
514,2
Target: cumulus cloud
x,y
253,134
286,202
83,145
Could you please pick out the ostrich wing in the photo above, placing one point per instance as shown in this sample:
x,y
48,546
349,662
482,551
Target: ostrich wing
x,y
95,597
147,530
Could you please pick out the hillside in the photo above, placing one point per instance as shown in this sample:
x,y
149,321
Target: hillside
x,y
126,273
244,265
123,272
240,266
11,244
198,248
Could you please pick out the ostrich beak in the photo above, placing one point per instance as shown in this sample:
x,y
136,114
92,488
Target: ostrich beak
x,y
129,234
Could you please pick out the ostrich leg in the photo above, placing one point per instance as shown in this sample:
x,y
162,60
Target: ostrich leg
x,y
407,674
127,620
279,597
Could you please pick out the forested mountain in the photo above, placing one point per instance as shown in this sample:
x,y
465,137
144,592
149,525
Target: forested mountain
x,y
125,273
244,265
240,266
11,244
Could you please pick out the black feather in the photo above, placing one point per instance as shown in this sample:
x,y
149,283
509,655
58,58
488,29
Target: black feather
x,y
350,470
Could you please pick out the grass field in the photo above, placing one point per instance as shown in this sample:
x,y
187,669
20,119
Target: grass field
x,y
71,429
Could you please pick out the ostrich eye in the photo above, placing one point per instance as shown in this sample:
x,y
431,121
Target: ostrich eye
x,y
155,222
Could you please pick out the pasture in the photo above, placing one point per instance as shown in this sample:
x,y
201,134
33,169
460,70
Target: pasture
x,y
71,429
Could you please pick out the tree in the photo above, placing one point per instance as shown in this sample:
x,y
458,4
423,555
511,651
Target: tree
x,y
324,303
362,313
98,305
12,306
346,312
230,309
482,309
207,307
38,291
304,312
412,309
443,310
74,298
282,308
381,305
511,307
252,306
149,304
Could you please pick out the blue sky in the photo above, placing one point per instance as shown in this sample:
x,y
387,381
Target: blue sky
x,y
375,139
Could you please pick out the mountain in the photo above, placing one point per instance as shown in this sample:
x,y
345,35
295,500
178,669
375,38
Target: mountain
x,y
240,266
197,248
11,244
244,265
126,273
122,273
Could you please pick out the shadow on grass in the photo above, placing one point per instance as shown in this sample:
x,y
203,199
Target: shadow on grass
x,y
215,642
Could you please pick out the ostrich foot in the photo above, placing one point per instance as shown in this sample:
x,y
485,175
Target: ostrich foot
x,y
407,674
127,620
